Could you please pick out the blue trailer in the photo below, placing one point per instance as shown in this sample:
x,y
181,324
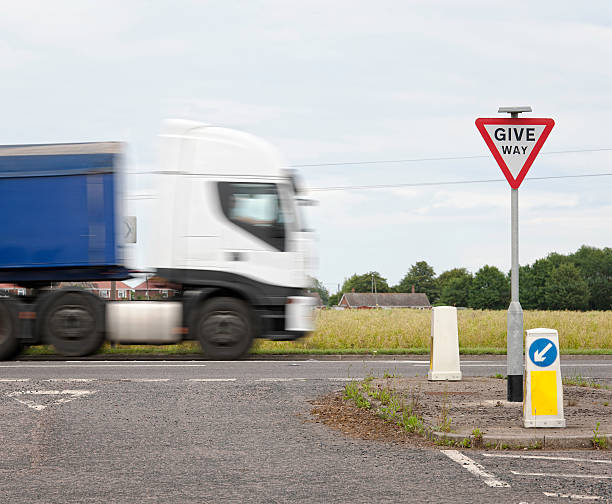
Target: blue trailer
x,y
58,213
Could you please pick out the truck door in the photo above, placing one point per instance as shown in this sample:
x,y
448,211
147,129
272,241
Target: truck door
x,y
258,241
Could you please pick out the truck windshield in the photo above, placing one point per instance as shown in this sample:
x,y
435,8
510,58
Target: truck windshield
x,y
256,208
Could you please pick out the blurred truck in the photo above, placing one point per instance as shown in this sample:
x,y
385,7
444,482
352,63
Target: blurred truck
x,y
225,231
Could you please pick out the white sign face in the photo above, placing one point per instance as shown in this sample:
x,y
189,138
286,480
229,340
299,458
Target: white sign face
x,y
514,143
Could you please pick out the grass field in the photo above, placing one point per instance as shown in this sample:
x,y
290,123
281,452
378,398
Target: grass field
x,y
403,331
408,331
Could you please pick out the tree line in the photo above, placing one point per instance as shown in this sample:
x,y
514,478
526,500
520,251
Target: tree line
x,y
578,281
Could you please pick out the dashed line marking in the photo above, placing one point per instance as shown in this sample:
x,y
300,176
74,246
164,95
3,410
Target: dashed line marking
x,y
103,365
544,457
475,468
71,380
559,475
279,379
573,496
11,380
146,380
212,379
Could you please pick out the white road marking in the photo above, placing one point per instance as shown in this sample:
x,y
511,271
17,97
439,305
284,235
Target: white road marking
x,y
75,380
212,379
279,379
573,496
146,380
553,475
344,379
78,365
475,468
14,379
30,403
544,457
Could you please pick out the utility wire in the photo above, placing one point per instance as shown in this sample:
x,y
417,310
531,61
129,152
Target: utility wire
x,y
450,158
450,182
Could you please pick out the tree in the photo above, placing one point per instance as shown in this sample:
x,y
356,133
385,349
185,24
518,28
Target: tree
x,y
490,289
319,288
455,286
595,267
423,277
566,289
334,299
368,282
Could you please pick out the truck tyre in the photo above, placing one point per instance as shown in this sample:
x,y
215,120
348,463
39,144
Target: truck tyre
x,y
73,322
9,327
224,327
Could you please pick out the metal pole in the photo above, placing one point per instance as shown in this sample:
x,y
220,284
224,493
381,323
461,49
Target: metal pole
x,y
514,341
514,338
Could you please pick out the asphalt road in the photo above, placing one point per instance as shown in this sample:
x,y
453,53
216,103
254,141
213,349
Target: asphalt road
x,y
241,432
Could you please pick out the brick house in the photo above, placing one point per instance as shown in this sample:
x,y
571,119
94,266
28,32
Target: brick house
x,y
103,289
153,288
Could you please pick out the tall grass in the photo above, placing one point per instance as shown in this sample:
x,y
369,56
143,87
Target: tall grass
x,y
406,329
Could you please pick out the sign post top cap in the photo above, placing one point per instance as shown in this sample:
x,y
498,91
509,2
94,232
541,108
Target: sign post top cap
x,y
514,110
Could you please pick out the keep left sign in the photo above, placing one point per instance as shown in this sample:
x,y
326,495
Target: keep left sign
x,y
514,143
543,391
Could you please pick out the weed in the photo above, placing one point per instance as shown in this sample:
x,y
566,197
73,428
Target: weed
x,y
412,423
445,419
414,399
390,374
499,375
465,443
353,391
600,442
579,381
445,442
606,403
384,395
477,437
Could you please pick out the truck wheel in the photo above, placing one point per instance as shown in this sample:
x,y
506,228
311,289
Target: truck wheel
x,y
224,327
9,345
74,324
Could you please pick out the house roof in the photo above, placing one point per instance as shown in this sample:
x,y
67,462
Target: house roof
x,y
106,285
391,299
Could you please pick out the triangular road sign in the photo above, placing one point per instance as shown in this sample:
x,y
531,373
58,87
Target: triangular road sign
x,y
39,399
514,143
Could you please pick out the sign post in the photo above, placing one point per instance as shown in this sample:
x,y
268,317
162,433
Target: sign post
x,y
514,143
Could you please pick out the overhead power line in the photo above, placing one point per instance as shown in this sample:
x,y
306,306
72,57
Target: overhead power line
x,y
450,158
450,182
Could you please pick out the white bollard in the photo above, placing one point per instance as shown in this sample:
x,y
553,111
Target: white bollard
x,y
444,347
543,394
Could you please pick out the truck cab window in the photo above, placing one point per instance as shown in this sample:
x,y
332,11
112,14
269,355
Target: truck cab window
x,y
256,208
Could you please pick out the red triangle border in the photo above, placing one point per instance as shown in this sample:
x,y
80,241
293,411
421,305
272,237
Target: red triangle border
x,y
548,126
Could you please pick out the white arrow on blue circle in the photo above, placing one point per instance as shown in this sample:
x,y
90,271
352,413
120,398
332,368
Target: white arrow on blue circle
x,y
539,356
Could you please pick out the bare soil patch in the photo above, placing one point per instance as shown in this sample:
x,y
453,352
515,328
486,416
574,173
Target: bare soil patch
x,y
473,403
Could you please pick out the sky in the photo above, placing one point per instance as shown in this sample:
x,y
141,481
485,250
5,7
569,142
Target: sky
x,y
344,82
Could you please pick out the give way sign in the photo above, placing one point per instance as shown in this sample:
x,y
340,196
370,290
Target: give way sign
x,y
514,143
